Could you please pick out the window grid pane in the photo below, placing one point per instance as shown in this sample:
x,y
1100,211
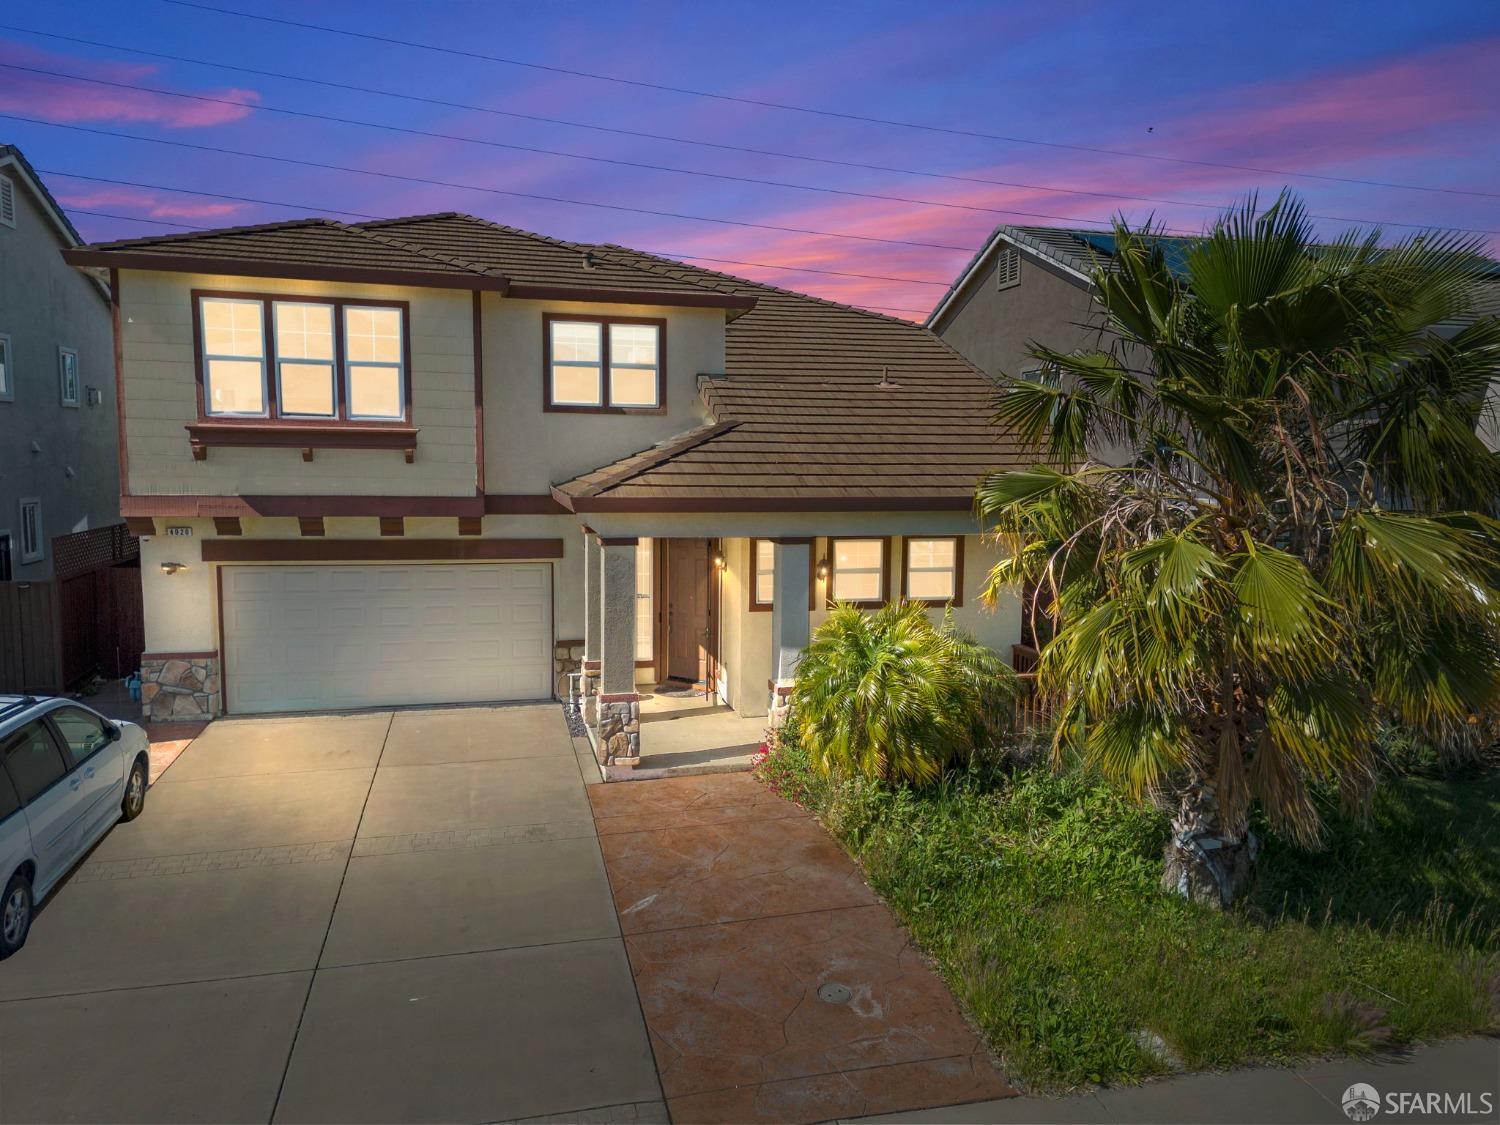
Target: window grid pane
x,y
374,390
304,331
234,386
576,384
633,365
307,389
932,569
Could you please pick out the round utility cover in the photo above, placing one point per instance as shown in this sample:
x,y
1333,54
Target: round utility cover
x,y
835,993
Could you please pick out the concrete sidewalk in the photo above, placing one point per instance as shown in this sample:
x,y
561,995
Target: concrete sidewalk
x,y
1311,1094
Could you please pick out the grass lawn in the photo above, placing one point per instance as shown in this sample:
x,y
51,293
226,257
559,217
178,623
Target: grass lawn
x,y
1037,896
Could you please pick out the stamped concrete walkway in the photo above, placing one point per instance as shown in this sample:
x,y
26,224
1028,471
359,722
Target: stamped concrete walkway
x,y
775,985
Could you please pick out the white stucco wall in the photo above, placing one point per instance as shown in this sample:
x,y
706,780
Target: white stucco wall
x,y
527,449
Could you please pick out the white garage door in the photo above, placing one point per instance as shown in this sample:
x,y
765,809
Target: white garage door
x,y
301,638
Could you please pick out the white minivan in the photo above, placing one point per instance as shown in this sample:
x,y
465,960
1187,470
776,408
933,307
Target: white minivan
x,y
67,776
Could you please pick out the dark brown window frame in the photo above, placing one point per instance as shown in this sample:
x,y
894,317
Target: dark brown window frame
x,y
885,569
606,406
755,606
318,431
957,600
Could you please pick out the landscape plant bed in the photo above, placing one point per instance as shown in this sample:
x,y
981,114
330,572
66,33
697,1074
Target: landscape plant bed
x,y
1038,896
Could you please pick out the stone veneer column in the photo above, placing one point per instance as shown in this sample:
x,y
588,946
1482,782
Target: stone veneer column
x,y
593,577
791,628
179,686
619,739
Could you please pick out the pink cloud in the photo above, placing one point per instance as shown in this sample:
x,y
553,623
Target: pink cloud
x,y
64,99
149,204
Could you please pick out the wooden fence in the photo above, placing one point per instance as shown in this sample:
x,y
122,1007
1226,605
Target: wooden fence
x,y
31,655
55,634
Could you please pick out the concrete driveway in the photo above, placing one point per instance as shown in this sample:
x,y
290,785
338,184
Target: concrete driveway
x,y
395,916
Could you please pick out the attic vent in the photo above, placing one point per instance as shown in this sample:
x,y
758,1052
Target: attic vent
x,y
588,260
7,202
1007,269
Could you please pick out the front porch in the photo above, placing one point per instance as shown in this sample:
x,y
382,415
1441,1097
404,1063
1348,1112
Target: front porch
x,y
655,690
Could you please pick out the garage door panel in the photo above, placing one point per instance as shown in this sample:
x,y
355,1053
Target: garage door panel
x,y
328,637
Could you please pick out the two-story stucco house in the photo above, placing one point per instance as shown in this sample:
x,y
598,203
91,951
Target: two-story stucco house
x,y
439,460
58,471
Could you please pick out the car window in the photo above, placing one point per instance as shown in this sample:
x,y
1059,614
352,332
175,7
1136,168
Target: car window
x,y
33,760
82,732
10,800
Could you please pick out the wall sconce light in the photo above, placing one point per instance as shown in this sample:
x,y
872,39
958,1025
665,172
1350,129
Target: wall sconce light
x,y
823,570
718,562
172,567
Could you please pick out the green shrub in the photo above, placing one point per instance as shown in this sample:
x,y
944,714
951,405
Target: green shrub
x,y
890,695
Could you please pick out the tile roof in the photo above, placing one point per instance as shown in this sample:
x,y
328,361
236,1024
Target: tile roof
x,y
807,416
531,261
322,242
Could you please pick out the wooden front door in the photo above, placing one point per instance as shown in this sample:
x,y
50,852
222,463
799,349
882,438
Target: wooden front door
x,y
687,609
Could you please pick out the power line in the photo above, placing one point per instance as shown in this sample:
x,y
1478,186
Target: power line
x,y
534,149
133,218
636,133
310,115
792,108
481,188
366,215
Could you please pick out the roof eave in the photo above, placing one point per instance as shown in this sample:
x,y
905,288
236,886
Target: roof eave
x,y
300,271
704,300
751,503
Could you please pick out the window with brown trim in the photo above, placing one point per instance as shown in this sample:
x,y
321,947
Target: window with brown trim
x,y
762,574
859,571
302,360
932,569
593,363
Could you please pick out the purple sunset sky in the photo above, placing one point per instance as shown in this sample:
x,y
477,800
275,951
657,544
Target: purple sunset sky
x,y
1400,93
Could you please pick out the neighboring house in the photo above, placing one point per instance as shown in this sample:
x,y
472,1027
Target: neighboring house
x,y
436,460
1033,284
67,587
58,472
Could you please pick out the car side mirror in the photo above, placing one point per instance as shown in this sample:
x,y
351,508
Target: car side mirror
x,y
114,733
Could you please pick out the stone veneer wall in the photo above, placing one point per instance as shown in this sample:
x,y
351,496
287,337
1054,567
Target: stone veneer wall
x,y
179,685
619,742
567,658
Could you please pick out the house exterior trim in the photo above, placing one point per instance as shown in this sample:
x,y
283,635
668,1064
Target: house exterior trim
x,y
378,550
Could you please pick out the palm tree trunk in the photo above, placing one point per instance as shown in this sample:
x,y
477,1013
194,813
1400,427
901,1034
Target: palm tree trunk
x,y
1208,859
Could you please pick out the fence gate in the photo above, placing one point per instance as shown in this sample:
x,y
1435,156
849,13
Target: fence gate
x,y
30,638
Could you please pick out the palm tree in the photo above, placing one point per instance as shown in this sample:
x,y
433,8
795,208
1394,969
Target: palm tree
x,y
1297,540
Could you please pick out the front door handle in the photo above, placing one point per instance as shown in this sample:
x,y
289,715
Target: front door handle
x,y
74,782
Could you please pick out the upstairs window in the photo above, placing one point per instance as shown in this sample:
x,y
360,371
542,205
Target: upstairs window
x,y
7,375
302,360
604,363
67,376
234,358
